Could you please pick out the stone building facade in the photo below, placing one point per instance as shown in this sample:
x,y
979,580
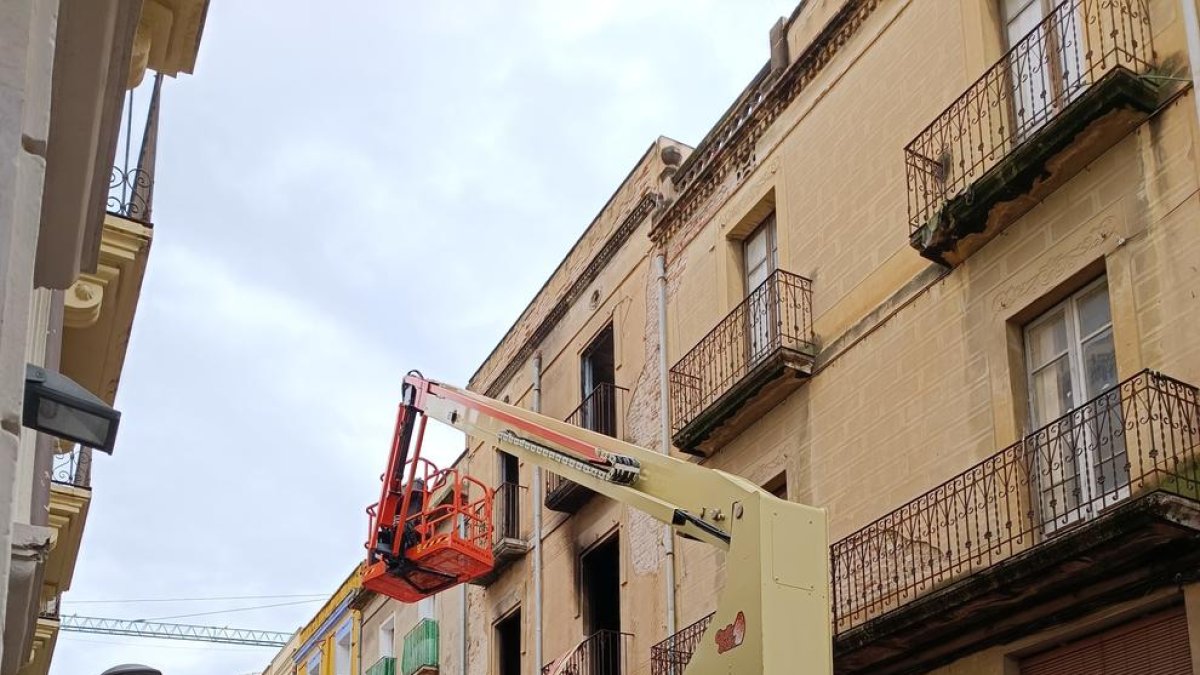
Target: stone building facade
x,y
934,271
75,235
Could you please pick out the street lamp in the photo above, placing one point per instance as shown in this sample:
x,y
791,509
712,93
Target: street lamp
x,y
57,405
132,669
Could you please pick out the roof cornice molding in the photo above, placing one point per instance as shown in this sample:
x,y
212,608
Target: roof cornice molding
x,y
729,147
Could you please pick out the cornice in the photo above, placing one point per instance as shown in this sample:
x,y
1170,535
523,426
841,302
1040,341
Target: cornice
x,y
596,265
729,147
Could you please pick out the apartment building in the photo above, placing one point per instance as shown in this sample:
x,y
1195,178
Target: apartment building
x,y
329,644
76,224
935,271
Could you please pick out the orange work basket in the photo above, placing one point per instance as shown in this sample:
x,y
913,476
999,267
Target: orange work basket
x,y
432,528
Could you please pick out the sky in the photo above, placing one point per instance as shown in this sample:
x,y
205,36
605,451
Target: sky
x,y
342,196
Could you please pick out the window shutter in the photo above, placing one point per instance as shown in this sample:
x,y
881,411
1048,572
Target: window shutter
x,y
1153,645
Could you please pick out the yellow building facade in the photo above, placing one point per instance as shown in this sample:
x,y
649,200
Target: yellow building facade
x,y
934,271
329,644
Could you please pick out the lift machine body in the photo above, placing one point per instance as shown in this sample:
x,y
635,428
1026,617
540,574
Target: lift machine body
x,y
432,528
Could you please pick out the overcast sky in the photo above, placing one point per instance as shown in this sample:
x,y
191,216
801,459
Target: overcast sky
x,y
346,191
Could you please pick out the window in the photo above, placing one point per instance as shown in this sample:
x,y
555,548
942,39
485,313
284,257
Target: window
x,y
508,644
778,485
314,664
1049,64
759,259
387,637
341,659
597,378
1072,361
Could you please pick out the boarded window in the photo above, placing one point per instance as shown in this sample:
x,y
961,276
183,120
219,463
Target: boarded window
x,y
1154,645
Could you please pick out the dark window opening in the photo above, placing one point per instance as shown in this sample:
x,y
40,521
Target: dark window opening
x,y
598,384
778,485
602,603
508,637
508,498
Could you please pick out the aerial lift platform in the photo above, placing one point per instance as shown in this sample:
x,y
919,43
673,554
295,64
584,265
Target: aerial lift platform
x,y
431,529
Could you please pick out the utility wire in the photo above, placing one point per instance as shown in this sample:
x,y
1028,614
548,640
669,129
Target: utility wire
x,y
131,601
231,610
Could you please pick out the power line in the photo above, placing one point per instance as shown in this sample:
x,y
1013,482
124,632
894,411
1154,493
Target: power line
x,y
132,601
173,631
232,610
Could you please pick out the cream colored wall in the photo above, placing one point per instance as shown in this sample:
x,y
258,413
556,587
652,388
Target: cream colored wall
x,y
918,378
937,386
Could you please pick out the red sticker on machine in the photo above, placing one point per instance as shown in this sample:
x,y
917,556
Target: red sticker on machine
x,y
732,635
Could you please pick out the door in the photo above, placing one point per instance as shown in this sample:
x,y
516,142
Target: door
x,y
1046,63
1079,449
601,568
759,256
597,377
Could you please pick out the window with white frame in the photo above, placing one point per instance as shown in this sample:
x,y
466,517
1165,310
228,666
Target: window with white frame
x,y
1072,361
759,258
341,652
387,638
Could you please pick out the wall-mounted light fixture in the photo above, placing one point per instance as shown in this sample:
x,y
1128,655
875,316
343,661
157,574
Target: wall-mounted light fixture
x,y
57,405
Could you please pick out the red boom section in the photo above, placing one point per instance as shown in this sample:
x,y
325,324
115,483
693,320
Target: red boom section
x,y
432,528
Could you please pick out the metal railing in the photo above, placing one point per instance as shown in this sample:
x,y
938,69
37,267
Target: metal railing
x,y
605,652
601,411
128,193
1142,434
420,648
51,608
776,315
672,655
1071,49
506,509
386,665
73,468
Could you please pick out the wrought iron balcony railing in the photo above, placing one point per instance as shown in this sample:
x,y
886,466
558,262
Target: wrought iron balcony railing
x,y
672,655
73,468
601,411
420,648
1141,435
386,665
1078,43
506,510
776,315
605,652
129,191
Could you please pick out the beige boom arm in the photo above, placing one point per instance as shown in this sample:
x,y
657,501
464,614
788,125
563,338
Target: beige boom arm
x,y
773,615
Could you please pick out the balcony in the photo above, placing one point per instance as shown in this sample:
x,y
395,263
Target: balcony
x,y
605,652
384,666
603,412
753,359
73,468
1062,95
1099,506
420,655
510,535
672,655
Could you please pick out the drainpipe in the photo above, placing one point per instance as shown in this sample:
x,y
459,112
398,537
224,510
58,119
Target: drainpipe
x,y
1192,28
660,273
462,628
536,492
